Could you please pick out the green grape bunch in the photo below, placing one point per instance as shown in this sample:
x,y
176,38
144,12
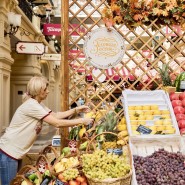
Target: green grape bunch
x,y
70,174
101,165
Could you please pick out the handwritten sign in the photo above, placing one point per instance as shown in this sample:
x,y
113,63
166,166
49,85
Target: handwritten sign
x,y
104,48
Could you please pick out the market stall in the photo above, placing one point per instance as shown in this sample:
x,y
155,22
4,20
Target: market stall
x,y
128,124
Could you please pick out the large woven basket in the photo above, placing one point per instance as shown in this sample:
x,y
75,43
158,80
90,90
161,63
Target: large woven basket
x,y
125,180
21,175
46,159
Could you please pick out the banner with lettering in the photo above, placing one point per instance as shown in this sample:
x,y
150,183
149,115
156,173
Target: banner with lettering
x,y
55,29
104,48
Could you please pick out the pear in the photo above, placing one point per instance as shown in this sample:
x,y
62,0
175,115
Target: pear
x,y
83,146
66,151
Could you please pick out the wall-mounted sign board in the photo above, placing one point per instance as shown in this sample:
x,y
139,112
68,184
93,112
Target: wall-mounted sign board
x,y
52,56
32,48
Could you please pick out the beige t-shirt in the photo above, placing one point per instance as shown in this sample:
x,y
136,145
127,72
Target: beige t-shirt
x,y
24,128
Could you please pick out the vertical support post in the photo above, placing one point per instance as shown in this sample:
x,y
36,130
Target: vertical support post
x,y
64,64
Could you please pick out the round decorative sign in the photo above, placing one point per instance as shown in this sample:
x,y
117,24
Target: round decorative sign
x,y
104,48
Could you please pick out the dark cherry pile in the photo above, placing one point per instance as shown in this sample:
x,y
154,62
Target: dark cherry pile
x,y
160,168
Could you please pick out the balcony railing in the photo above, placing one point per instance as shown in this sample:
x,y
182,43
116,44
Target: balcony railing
x,y
26,8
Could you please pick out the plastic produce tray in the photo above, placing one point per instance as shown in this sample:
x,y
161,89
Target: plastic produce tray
x,y
141,98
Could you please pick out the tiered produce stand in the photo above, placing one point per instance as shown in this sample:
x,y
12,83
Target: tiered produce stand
x,y
155,140
142,148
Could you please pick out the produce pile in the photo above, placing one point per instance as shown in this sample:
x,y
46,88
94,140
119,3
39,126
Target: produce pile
x,y
150,116
103,122
178,103
100,165
160,168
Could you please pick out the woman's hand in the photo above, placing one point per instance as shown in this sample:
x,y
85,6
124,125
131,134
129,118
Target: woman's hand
x,y
82,108
86,121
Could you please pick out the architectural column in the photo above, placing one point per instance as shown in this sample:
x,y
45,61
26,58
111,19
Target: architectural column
x,y
5,63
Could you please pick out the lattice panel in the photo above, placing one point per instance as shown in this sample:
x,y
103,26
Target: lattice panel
x,y
146,50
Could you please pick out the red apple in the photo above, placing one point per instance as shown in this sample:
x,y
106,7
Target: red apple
x,y
179,110
181,124
180,117
176,103
182,131
182,96
183,102
174,96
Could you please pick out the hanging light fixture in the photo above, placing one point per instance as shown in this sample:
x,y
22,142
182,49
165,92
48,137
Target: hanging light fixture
x,y
14,20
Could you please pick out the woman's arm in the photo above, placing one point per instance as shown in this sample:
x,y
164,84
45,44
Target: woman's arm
x,y
66,123
65,114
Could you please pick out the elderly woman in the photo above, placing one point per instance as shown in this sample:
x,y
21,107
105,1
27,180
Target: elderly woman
x,y
27,123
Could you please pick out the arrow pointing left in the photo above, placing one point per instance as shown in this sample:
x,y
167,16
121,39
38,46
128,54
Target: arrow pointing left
x,y
21,47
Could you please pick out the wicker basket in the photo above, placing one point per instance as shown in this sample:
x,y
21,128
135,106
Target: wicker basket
x,y
46,159
21,175
125,180
19,179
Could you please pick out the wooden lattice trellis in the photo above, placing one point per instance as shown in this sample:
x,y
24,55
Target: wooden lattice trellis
x,y
145,51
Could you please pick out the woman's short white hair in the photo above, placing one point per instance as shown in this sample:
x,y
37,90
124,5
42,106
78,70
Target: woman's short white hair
x,y
34,86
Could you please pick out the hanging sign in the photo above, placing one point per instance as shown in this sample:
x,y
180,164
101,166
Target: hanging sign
x,y
104,48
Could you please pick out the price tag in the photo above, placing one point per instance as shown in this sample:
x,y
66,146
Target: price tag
x,y
143,130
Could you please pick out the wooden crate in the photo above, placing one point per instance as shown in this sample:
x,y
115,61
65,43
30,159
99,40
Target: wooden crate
x,y
146,146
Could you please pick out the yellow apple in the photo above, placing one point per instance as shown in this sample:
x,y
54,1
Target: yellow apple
x,y
134,127
146,107
158,122
140,112
153,128
138,107
167,116
149,117
134,132
141,122
148,112
170,131
131,107
132,117
167,122
131,112
156,112
132,122
165,112
154,107
141,117
160,128
169,127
